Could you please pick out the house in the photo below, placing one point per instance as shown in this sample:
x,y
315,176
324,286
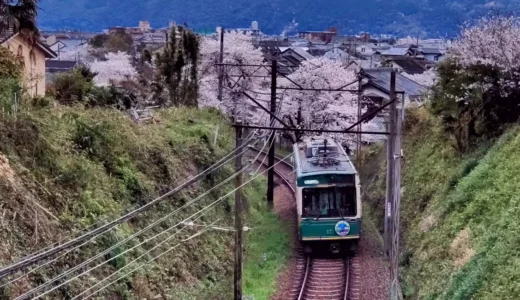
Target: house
x,y
407,64
57,46
337,54
394,51
33,56
377,86
53,67
366,49
432,54
295,55
316,36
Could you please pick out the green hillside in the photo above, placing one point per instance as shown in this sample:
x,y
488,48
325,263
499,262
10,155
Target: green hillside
x,y
63,169
459,213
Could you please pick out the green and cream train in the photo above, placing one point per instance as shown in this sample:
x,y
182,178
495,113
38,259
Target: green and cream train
x,y
327,196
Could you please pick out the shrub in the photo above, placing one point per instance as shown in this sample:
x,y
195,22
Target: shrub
x,y
10,91
10,67
70,87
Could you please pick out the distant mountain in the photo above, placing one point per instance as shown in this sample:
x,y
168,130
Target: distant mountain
x,y
431,18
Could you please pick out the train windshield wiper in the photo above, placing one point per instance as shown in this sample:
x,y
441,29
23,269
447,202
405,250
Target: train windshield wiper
x,y
319,215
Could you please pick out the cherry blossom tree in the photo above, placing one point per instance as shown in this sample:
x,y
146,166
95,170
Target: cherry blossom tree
x,y
335,110
255,81
494,42
117,67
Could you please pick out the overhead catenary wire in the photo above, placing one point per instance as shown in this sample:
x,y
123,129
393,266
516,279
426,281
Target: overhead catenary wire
x,y
72,249
104,252
77,267
208,207
142,265
27,261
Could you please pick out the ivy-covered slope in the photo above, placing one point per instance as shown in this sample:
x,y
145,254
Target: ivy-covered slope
x,y
459,213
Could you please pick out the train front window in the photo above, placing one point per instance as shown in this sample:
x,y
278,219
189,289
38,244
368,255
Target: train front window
x,y
329,202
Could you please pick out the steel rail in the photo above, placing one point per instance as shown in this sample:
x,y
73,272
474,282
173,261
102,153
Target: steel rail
x,y
347,272
278,173
305,278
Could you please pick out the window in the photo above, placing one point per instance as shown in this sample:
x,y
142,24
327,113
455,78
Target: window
x,y
330,202
32,57
436,58
20,50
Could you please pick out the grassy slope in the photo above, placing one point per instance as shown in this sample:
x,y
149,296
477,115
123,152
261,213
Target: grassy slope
x,y
85,165
459,214
267,247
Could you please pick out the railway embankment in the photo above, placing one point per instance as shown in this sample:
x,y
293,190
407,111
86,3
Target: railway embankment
x,y
460,212
65,169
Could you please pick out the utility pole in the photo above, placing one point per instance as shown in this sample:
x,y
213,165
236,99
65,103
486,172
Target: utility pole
x,y
221,60
238,215
360,96
270,172
395,290
390,168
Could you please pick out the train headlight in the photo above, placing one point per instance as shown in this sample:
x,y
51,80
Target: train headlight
x,y
311,182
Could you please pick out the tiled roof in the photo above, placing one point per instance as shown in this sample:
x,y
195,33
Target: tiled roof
x,y
395,51
409,65
380,78
56,66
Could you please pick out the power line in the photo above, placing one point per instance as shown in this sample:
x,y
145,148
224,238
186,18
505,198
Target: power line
x,y
143,264
162,219
162,242
104,228
69,251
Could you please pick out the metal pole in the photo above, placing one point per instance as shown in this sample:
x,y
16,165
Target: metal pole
x,y
238,216
390,169
221,60
270,173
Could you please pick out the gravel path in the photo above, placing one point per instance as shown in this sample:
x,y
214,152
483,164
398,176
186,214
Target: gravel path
x,y
374,270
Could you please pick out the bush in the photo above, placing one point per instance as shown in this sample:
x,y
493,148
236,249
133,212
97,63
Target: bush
x,y
10,67
98,41
474,103
10,91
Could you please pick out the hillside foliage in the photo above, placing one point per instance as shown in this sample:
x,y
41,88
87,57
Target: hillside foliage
x,y
458,213
478,88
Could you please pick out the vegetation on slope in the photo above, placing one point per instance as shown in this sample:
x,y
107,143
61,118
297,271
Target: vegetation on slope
x,y
459,213
64,169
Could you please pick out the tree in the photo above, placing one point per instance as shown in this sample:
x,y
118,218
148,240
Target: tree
x,y
119,41
117,67
21,16
238,50
177,68
98,40
478,87
318,109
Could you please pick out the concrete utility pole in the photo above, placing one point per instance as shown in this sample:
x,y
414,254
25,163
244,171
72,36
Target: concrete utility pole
x,y
390,143
360,97
395,291
270,172
238,215
220,68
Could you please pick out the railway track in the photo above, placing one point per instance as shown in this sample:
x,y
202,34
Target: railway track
x,y
282,170
324,278
318,278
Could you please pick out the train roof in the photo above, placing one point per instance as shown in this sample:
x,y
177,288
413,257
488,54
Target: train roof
x,y
320,155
